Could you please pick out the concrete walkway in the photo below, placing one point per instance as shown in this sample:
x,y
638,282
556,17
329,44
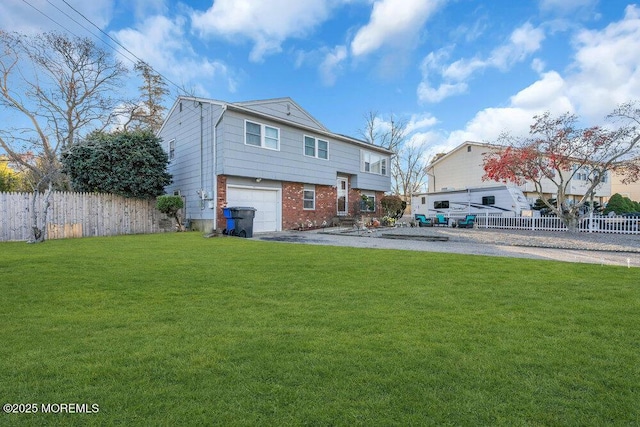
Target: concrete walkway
x,y
595,248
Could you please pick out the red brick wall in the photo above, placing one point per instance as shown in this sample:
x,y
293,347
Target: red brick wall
x,y
221,202
293,213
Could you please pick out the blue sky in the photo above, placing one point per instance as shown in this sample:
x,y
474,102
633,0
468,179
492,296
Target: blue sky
x,y
455,69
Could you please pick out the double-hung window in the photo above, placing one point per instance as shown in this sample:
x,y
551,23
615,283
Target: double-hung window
x,y
316,148
309,197
261,135
368,203
172,149
373,163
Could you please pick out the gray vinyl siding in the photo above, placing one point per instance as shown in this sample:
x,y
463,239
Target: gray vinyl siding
x,y
190,175
196,165
288,163
284,109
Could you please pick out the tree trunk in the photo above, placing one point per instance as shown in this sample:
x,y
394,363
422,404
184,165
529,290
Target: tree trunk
x,y
39,234
572,222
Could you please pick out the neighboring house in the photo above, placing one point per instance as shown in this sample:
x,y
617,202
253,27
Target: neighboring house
x,y
462,168
270,155
631,190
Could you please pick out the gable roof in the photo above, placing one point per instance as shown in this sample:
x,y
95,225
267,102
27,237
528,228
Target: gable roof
x,y
441,157
282,106
284,110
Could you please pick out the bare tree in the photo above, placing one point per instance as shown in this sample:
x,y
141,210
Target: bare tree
x,y
408,168
57,88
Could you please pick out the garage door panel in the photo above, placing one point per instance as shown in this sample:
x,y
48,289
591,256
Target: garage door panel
x,y
264,200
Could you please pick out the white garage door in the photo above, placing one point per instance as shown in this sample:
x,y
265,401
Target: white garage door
x,y
264,200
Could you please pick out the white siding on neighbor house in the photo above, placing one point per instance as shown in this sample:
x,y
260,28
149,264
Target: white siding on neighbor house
x,y
631,190
463,167
459,170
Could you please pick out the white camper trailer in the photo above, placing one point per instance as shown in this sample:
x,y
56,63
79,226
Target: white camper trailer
x,y
500,200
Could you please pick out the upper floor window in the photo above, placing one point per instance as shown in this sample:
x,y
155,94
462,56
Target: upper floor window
x,y
373,163
172,149
261,135
316,147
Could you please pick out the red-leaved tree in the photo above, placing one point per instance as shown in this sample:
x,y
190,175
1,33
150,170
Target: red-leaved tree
x,y
557,151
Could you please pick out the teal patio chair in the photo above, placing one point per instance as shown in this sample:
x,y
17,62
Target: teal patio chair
x,y
423,221
441,220
467,222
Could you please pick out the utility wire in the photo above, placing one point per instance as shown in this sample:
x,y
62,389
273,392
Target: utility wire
x,y
117,42
180,89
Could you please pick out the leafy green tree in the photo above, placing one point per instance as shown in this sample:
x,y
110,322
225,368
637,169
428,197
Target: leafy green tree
x,y
620,204
393,206
170,206
131,164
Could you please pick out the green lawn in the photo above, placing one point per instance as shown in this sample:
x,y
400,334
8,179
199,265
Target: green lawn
x,y
177,329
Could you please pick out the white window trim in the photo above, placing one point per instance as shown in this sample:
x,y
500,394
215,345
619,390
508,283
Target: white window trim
x,y
312,189
315,147
366,155
263,135
171,149
370,195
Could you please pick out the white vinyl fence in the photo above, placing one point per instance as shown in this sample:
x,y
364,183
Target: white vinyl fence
x,y
80,215
589,224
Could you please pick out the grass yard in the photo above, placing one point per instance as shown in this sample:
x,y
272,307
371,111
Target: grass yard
x,y
176,329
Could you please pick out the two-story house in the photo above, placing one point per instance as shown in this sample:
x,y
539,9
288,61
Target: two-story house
x,y
463,167
270,155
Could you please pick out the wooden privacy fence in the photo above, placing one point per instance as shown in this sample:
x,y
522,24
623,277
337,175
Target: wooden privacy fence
x,y
80,215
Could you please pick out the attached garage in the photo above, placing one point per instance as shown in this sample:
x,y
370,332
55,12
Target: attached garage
x,y
265,200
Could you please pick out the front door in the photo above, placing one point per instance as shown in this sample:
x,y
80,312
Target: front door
x,y
343,196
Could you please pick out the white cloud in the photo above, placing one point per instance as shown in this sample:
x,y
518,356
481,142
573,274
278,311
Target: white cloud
x,y
331,64
161,42
37,16
420,121
393,23
606,67
427,93
523,41
604,73
267,23
546,94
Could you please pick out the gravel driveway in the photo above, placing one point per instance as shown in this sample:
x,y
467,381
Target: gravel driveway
x,y
596,248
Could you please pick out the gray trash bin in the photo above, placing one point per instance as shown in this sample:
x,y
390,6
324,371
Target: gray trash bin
x,y
243,220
